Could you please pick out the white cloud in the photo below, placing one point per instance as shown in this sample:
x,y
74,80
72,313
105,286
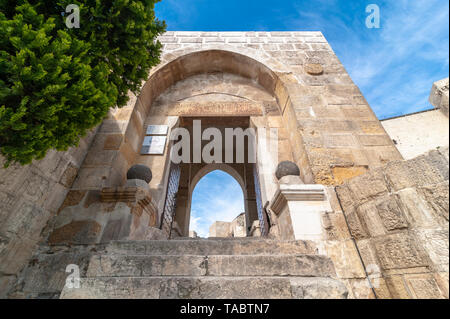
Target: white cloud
x,y
396,65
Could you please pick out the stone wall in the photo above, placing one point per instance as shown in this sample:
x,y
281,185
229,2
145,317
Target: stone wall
x,y
322,115
415,134
235,228
332,130
398,216
29,196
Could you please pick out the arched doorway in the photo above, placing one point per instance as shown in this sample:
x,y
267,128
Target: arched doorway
x,y
216,197
183,178
225,89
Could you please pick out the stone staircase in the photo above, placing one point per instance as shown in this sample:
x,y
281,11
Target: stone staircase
x,y
209,268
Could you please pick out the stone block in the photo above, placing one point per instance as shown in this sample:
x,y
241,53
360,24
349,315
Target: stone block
x,y
73,198
367,186
318,288
342,174
359,112
6,283
335,226
368,215
180,288
300,265
435,243
142,266
344,140
208,247
443,281
14,254
361,289
398,175
91,178
381,289
55,198
423,286
76,232
25,221
369,257
374,139
426,172
417,210
379,156
69,175
220,229
116,230
397,287
398,251
357,229
371,127
35,188
437,198
439,162
112,141
345,259
390,212
345,197
46,274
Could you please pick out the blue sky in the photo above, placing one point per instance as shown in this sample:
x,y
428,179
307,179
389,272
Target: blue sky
x,y
216,197
394,66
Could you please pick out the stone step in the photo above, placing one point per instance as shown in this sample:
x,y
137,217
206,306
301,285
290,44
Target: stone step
x,y
215,246
215,265
206,288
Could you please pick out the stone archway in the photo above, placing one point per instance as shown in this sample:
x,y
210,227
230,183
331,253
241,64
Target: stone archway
x,y
189,174
205,170
259,68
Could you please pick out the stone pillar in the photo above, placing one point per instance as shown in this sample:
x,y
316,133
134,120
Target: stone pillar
x,y
298,206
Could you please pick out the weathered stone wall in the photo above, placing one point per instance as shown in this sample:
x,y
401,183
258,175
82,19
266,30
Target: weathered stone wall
x,y
332,129
333,133
415,134
398,216
235,228
29,196
287,80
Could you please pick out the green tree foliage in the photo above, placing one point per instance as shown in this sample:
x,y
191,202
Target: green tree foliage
x,y
56,83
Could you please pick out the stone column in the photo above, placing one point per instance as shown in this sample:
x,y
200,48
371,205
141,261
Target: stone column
x,y
298,206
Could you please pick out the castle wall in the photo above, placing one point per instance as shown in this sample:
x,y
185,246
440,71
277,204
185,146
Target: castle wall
x,y
415,134
294,83
398,216
333,133
29,196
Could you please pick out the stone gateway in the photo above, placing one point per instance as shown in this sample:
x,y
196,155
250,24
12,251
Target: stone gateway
x,y
334,209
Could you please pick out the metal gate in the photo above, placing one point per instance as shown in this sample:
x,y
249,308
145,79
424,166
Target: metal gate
x,y
262,216
171,198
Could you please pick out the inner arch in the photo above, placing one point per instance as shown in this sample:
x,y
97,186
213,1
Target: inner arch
x,y
216,196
